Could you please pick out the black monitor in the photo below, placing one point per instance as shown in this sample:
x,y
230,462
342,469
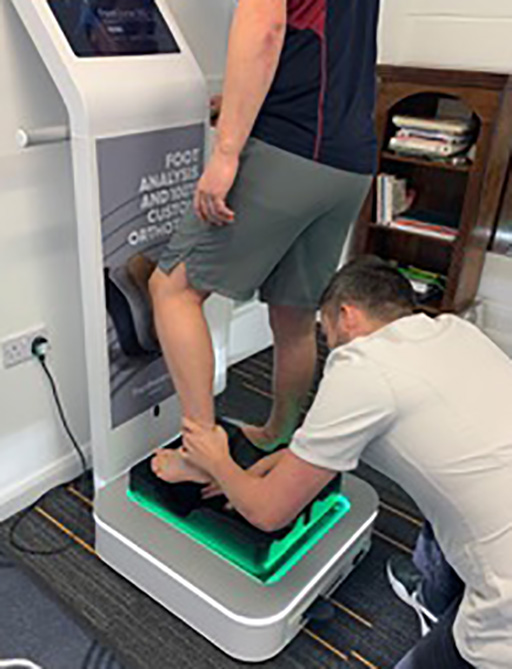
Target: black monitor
x,y
99,28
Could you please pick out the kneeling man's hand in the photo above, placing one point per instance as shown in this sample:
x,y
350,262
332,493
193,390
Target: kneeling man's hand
x,y
203,447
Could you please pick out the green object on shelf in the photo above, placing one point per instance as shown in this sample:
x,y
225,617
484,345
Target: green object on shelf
x,y
431,278
265,558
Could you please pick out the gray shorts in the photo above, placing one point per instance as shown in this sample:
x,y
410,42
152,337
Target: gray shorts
x,y
292,216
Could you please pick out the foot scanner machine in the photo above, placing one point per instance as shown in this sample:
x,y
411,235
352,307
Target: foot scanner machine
x,y
139,127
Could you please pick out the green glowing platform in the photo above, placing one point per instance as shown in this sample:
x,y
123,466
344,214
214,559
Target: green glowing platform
x,y
265,556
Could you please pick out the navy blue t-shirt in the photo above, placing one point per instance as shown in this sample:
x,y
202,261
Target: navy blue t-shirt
x,y
321,103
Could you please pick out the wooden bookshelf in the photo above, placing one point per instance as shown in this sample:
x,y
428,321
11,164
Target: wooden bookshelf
x,y
502,239
423,162
398,231
468,194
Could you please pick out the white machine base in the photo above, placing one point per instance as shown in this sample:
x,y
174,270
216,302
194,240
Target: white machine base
x,y
246,619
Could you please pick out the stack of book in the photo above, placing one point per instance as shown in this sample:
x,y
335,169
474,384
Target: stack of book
x,y
436,138
394,201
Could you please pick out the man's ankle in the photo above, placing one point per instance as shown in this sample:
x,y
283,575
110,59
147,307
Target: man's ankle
x,y
205,424
264,436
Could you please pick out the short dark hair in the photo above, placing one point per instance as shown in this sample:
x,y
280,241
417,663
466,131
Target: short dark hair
x,y
372,284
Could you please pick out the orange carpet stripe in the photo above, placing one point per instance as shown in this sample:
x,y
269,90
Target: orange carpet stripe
x,y
363,660
66,531
258,391
351,613
401,514
326,644
393,542
82,498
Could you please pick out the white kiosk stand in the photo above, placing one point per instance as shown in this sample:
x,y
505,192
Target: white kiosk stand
x,y
138,113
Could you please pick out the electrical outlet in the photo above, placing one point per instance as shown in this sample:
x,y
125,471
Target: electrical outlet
x,y
18,349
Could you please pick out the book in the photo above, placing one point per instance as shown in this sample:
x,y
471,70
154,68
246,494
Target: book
x,y
404,133
414,226
392,197
451,126
419,146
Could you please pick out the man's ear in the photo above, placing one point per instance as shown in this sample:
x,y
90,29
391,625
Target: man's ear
x,y
349,318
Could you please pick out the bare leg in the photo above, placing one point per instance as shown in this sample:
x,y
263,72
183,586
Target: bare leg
x,y
187,347
295,355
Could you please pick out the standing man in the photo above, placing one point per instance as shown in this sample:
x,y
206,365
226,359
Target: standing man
x,y
426,402
292,163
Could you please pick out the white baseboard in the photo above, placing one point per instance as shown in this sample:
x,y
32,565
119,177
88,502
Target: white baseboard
x,y
249,332
26,492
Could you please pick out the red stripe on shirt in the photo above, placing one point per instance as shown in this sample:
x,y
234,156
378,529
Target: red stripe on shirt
x,y
312,15
307,15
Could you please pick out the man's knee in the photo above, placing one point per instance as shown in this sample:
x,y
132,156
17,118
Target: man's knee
x,y
164,287
292,322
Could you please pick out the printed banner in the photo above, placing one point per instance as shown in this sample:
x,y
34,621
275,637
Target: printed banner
x,y
147,183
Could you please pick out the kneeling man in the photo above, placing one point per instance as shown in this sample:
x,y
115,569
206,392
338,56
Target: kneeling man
x,y
425,401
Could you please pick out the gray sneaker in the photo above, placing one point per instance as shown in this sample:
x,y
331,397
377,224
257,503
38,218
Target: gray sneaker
x,y
405,580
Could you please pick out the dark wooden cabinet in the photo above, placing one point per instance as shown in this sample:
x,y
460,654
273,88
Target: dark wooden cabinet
x,y
468,194
502,239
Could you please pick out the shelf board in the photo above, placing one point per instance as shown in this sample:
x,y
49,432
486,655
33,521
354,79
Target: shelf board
x,y
409,233
430,309
423,162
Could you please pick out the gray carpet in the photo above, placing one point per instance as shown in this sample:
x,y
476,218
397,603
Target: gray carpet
x,y
371,628
33,626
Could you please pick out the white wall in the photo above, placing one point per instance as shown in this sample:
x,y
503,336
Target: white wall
x,y
461,34
470,34
206,25
39,277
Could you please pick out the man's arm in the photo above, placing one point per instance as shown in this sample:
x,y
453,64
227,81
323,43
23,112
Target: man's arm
x,y
274,501
255,44
354,405
270,502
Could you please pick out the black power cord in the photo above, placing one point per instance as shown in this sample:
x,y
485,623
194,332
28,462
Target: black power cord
x,y
39,349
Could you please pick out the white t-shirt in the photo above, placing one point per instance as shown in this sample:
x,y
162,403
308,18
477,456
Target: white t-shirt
x,y
428,402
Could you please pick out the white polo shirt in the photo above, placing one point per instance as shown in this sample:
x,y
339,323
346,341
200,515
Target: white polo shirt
x,y
428,402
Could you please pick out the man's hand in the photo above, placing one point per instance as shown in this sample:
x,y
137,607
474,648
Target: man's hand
x,y
213,188
204,448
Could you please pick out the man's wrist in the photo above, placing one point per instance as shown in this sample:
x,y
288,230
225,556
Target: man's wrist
x,y
226,148
223,467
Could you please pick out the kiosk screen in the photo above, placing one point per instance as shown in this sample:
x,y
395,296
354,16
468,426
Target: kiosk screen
x,y
96,28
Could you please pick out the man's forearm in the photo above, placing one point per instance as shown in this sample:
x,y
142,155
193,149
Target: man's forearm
x,y
245,492
255,47
270,498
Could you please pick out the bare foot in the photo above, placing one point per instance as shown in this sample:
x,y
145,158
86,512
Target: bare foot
x,y
262,438
171,467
